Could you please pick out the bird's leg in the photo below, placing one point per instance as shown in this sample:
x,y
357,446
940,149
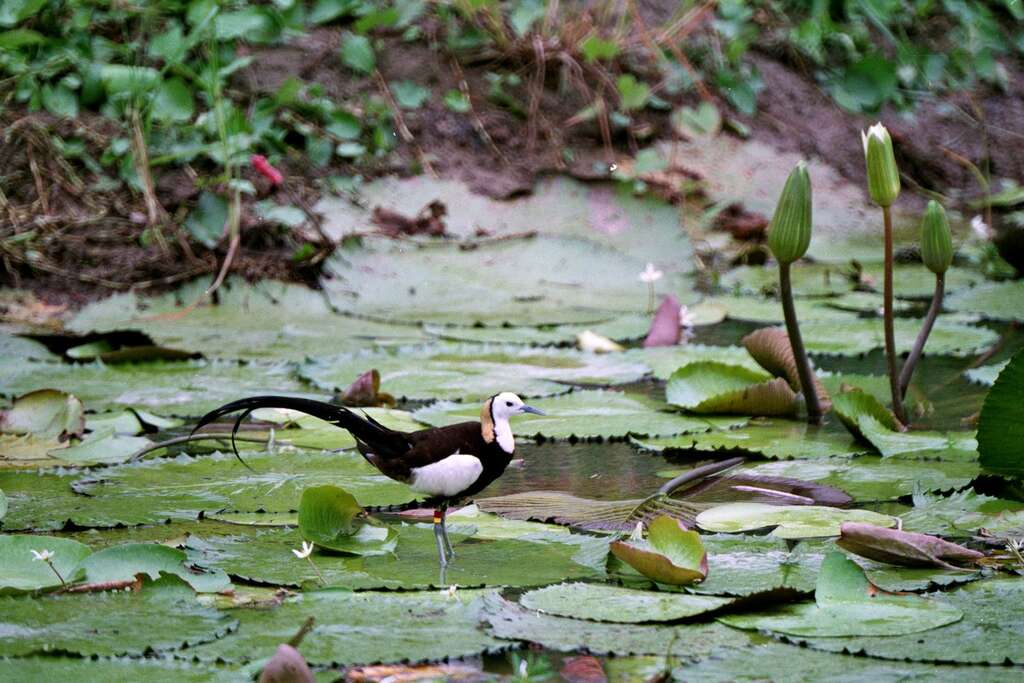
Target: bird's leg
x,y
439,536
444,532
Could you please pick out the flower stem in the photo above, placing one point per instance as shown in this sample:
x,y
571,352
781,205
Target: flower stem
x,y
317,570
59,577
922,337
650,298
803,365
890,332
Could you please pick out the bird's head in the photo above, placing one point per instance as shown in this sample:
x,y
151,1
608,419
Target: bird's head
x,y
506,404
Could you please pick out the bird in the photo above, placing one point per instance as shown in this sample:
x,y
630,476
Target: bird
x,y
448,463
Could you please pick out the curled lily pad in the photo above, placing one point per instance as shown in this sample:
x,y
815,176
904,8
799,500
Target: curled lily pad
x,y
670,554
330,517
791,521
1001,425
902,547
22,570
601,602
124,562
770,347
712,387
846,604
45,413
853,406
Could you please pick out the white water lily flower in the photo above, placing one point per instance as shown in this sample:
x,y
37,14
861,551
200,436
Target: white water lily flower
x,y
686,319
307,550
650,274
595,343
980,228
43,555
449,592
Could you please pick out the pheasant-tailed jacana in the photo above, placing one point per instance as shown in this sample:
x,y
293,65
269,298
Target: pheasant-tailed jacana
x,y
446,463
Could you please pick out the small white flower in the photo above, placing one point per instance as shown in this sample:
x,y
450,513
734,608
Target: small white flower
x,y
43,555
686,319
524,669
877,131
307,550
980,228
449,592
650,274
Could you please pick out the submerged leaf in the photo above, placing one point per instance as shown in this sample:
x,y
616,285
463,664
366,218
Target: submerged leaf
x,y
902,547
713,387
671,554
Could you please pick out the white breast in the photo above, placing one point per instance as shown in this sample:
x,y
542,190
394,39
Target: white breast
x,y
447,477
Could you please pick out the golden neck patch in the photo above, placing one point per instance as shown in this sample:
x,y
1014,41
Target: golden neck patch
x,y
487,422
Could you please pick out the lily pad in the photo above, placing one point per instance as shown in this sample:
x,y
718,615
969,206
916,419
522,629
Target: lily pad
x,y
46,413
176,388
164,615
15,349
587,414
474,373
751,565
986,374
846,605
510,621
1001,425
328,517
960,514
993,300
266,321
265,555
906,548
124,562
799,521
53,668
665,360
989,632
769,311
600,602
712,387
772,438
823,279
623,328
360,628
670,554
102,447
866,334
20,570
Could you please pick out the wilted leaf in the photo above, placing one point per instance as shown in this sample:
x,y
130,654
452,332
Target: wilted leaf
x,y
902,547
800,521
670,554
665,327
771,348
846,604
713,387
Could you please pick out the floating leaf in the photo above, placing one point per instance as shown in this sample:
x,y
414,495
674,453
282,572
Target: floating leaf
x,y
986,374
961,514
618,604
56,668
560,507
993,300
586,414
1001,425
164,615
474,373
46,413
823,279
124,562
846,605
751,565
769,311
800,521
102,447
21,571
712,387
902,547
670,554
667,359
772,438
866,334
328,517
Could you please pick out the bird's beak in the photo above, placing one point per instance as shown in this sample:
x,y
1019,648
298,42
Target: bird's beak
x,y
530,409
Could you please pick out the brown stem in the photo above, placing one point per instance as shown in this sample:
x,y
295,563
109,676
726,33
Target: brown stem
x,y
890,332
922,337
803,365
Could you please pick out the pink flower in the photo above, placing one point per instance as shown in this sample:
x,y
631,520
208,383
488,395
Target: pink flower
x,y
260,163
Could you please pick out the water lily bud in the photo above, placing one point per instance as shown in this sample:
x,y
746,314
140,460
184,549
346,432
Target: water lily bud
x,y
789,233
936,243
883,176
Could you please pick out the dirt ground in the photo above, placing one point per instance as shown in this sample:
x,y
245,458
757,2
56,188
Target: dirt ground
x,y
92,240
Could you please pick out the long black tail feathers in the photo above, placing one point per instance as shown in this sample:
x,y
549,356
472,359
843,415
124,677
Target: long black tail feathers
x,y
245,406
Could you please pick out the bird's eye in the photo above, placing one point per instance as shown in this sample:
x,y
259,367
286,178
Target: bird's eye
x,y
508,403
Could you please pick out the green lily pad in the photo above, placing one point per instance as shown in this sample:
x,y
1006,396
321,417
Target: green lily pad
x,y
866,334
989,632
183,487
3,505
46,413
124,422
670,553
1001,425
798,521
772,438
993,300
124,562
914,579
871,478
769,311
511,621
665,360
328,517
266,321
474,373
164,615
623,328
51,668
845,606
600,602
865,302
874,385
15,349
536,281
20,570
265,555
712,387
102,447
587,414
750,565
360,628
960,514
824,279
986,374
176,388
